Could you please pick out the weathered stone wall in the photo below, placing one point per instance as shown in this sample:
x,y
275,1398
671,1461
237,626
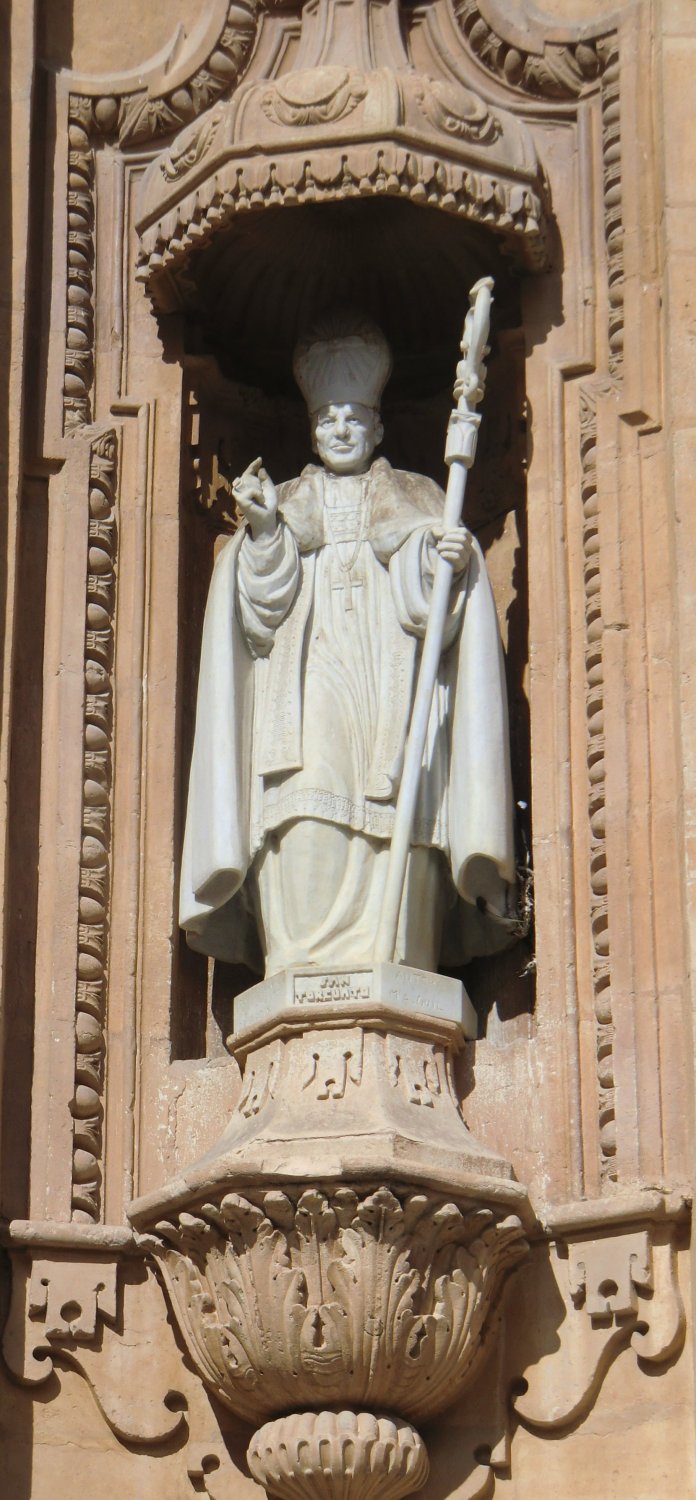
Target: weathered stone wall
x,y
115,1076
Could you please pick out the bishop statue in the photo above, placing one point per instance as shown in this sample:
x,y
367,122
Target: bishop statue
x,y
315,619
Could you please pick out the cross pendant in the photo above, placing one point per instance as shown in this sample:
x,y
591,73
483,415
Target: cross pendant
x,y
349,583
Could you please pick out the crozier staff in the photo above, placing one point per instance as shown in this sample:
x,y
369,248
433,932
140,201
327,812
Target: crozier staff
x,y
314,623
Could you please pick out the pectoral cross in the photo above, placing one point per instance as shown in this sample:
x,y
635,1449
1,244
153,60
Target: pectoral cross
x,y
346,587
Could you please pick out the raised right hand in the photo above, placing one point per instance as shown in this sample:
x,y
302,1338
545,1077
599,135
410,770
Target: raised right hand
x,y
255,494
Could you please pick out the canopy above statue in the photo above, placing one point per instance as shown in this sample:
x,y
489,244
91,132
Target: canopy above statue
x,y
351,99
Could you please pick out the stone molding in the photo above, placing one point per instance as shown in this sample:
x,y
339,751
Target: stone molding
x,y
557,69
144,115
114,108
95,858
79,339
594,668
608,51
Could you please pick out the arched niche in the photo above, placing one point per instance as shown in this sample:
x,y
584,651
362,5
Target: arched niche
x,y
359,160
250,292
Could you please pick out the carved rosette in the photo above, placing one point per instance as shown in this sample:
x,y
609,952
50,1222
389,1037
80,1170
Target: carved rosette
x,y
377,1299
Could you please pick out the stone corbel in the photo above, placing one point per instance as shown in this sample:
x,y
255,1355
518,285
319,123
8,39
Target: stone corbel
x,y
79,1305
619,1289
56,1304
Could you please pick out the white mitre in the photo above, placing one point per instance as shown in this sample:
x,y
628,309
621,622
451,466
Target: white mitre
x,y
344,358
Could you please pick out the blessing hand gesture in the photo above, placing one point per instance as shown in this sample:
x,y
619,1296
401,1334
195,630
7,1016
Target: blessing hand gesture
x,y
255,494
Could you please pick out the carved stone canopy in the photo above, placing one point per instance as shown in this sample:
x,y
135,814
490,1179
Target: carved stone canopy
x,y
350,100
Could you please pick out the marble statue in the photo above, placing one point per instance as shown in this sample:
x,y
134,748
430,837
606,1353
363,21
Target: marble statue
x,y
315,617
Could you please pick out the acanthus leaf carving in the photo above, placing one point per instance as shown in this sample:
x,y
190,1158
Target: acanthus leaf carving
x,y
371,1298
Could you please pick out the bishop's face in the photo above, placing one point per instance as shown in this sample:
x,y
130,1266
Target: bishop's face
x,y
345,436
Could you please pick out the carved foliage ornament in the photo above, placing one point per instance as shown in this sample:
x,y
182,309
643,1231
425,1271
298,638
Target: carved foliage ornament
x,y
141,117
562,70
457,111
371,1299
314,97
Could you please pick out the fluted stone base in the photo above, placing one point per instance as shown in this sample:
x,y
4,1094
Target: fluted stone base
x,y
343,1455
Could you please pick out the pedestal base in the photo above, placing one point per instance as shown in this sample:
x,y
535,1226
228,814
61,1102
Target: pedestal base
x,y
341,1250
358,1087
393,986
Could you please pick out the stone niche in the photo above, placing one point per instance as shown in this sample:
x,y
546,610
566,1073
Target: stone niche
x,y
249,293
270,160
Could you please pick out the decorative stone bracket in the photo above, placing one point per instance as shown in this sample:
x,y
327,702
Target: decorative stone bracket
x,y
620,1291
87,1310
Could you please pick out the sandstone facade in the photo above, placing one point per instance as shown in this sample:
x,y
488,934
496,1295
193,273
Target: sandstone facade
x,y
175,179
